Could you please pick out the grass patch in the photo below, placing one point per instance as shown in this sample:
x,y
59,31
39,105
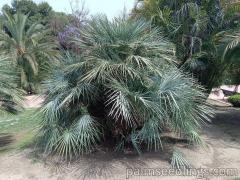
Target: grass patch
x,y
23,127
18,123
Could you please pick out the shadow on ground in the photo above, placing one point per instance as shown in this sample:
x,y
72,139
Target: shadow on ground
x,y
228,120
5,140
106,165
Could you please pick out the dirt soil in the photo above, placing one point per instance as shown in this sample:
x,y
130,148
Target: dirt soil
x,y
222,150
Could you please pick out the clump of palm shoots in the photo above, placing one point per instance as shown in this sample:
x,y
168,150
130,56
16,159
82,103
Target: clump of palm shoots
x,y
122,91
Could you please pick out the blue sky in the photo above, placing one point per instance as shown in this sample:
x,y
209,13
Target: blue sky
x,y
110,7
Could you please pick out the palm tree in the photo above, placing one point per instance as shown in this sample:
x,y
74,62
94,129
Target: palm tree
x,y
231,58
194,27
10,96
29,48
123,90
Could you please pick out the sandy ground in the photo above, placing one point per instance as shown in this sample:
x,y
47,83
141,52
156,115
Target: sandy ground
x,y
33,101
222,150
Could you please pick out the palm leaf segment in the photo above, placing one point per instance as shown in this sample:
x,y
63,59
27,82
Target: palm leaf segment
x,y
10,96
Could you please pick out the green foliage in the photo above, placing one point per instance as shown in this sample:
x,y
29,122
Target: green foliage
x,y
37,12
235,100
27,47
196,27
58,22
41,13
10,96
123,90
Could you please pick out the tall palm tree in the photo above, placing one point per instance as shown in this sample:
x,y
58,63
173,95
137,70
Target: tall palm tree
x,y
28,47
123,90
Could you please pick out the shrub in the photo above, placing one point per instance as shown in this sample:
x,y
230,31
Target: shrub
x,y
235,100
123,91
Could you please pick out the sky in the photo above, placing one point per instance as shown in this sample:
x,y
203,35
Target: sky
x,y
110,7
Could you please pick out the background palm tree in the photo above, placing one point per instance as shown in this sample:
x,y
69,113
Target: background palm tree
x,y
196,28
123,91
231,57
30,48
